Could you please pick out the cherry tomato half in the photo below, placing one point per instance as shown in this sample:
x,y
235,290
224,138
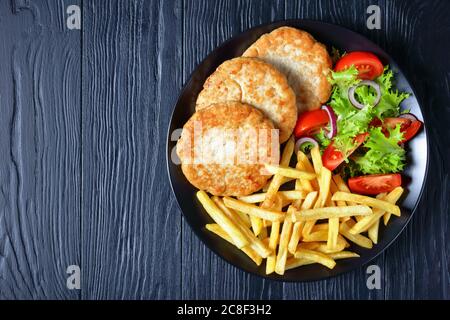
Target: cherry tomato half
x,y
333,157
310,121
408,127
374,184
391,123
367,64
412,130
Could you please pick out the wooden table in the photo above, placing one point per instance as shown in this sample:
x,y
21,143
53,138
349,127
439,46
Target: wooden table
x,y
84,117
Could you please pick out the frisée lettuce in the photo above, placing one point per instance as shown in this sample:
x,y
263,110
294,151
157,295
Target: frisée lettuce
x,y
383,153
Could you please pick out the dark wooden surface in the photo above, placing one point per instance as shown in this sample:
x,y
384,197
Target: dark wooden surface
x,y
83,130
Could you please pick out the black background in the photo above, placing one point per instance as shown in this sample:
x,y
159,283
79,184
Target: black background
x,y
83,123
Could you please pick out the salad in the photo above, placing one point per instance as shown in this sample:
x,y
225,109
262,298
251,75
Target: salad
x,y
361,131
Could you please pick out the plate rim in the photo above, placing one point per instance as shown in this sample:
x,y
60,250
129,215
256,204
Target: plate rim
x,y
200,236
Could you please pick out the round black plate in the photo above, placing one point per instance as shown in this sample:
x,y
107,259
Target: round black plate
x,y
330,35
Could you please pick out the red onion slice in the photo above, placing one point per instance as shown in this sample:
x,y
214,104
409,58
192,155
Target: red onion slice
x,y
409,116
370,83
332,121
302,142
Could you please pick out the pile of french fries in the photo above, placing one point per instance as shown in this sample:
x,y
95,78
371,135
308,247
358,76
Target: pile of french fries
x,y
313,223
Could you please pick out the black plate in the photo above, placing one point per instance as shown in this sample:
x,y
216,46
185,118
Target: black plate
x,y
330,35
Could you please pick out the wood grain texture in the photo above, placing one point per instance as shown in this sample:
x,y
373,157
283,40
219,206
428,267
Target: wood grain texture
x,y
131,242
40,150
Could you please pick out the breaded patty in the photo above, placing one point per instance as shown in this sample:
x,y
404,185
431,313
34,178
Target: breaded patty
x,y
254,82
236,141
305,62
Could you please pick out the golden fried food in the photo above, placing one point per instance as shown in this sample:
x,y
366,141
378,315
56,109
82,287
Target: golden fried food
x,y
305,62
254,82
227,160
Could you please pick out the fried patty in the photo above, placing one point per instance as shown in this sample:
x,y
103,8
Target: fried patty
x,y
305,62
254,82
224,163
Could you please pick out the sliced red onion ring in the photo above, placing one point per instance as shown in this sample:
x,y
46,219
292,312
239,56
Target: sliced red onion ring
x,y
409,116
302,142
333,126
370,83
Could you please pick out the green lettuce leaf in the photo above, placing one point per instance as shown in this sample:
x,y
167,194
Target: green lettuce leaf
x,y
389,105
341,82
355,123
384,155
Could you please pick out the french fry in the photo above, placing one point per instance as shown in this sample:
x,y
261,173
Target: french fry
x,y
329,212
253,210
309,200
288,151
332,226
303,164
309,245
333,232
244,219
266,224
315,256
387,215
282,248
367,222
295,237
254,242
273,241
299,186
235,233
285,195
317,160
293,194
293,262
340,245
317,166
373,232
334,189
252,254
342,186
343,255
263,234
257,224
297,229
321,235
386,218
324,184
289,172
301,157
319,227
365,200
340,183
276,203
356,238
